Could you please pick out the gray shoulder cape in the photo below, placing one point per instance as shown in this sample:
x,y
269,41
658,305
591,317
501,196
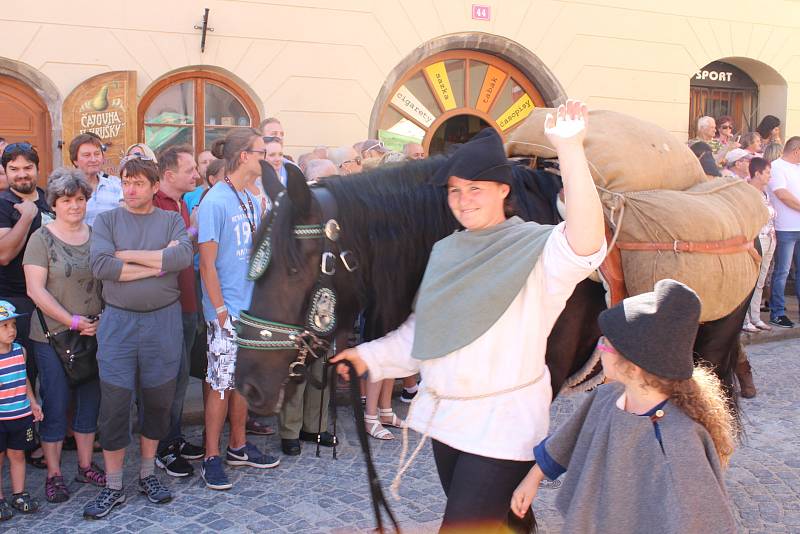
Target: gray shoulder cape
x,y
620,480
470,280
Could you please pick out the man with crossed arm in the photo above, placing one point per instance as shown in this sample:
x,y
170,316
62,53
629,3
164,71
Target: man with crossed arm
x,y
137,251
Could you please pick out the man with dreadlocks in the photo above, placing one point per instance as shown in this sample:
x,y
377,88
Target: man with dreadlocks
x,y
478,333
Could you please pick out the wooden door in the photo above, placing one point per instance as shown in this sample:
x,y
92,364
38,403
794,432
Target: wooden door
x,y
24,117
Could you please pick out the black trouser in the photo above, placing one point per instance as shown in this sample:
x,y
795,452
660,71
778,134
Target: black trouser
x,y
479,490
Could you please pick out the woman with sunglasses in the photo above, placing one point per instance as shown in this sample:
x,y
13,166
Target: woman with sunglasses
x,y
346,159
726,141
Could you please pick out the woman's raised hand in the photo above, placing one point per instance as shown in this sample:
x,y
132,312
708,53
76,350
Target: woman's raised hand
x,y
568,127
351,355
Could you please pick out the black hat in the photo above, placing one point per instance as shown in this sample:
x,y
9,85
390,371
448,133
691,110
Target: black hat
x,y
480,158
656,330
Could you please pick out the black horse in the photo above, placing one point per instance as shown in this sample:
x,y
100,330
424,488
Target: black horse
x,y
390,218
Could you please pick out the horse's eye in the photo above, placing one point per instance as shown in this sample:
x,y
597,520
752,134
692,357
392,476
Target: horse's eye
x,y
293,270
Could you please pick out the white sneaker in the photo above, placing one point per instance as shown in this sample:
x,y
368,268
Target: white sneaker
x,y
761,325
749,327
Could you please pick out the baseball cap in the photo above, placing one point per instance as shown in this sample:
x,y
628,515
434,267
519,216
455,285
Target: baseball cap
x,y
736,154
8,311
373,144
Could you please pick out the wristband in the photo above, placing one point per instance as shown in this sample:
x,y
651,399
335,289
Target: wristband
x,y
221,309
160,274
75,320
192,231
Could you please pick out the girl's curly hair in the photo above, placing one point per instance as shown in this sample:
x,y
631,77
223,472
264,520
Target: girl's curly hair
x,y
702,398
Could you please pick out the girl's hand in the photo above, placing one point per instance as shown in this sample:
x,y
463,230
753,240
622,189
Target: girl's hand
x,y
525,493
38,415
568,127
351,355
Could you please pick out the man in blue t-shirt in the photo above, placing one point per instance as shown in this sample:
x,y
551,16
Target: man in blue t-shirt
x,y
227,220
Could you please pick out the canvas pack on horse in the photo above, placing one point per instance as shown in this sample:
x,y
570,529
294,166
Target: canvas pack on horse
x,y
361,243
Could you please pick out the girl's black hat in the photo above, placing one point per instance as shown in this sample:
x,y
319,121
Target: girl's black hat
x,y
480,158
656,330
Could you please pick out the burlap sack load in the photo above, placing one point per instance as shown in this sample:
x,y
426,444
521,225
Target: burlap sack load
x,y
624,153
718,210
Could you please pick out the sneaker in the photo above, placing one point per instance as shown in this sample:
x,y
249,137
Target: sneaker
x,y
250,455
171,461
155,491
214,474
91,475
406,396
782,321
101,505
761,325
55,490
190,451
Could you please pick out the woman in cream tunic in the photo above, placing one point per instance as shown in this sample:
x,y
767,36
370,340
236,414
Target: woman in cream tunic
x,y
488,300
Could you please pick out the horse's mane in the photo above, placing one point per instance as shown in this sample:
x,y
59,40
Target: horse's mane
x,y
390,218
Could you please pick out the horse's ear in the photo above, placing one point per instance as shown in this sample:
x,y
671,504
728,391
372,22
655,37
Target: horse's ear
x,y
269,179
298,190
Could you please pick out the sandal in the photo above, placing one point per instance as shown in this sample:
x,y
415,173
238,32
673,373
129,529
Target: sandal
x,y
375,429
5,510
395,422
91,475
55,490
24,502
38,462
257,428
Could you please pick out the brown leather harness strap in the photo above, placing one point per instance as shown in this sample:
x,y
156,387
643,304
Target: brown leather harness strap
x,y
611,269
727,246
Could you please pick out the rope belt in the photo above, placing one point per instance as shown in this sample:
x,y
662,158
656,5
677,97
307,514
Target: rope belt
x,y
403,465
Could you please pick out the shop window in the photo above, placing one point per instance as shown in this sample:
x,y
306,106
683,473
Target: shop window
x,y
449,97
720,89
194,108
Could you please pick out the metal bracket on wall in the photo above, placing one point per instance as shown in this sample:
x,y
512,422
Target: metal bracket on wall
x,y
205,29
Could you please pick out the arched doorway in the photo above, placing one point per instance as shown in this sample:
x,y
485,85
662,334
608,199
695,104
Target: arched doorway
x,y
448,97
25,118
722,89
194,107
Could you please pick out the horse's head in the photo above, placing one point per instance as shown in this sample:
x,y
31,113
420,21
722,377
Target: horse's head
x,y
282,292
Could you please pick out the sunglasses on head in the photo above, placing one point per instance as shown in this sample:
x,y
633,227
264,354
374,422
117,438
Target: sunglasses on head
x,y
379,144
133,156
20,146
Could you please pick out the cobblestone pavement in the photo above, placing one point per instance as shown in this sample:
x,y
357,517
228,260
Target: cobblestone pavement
x,y
308,494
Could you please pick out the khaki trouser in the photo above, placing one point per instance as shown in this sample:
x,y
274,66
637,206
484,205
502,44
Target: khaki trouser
x,y
300,411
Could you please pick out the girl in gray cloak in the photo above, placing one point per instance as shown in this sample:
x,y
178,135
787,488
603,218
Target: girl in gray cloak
x,y
478,333
644,453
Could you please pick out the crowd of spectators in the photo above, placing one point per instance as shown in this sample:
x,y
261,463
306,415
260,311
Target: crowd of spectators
x,y
151,264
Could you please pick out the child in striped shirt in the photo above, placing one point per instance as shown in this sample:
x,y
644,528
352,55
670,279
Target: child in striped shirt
x,y
18,411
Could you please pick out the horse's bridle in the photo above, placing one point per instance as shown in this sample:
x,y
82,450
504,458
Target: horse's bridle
x,y
314,338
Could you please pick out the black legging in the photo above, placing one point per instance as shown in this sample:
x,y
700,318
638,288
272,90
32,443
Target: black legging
x,y
479,490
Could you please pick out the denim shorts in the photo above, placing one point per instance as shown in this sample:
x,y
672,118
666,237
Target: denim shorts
x,y
56,396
